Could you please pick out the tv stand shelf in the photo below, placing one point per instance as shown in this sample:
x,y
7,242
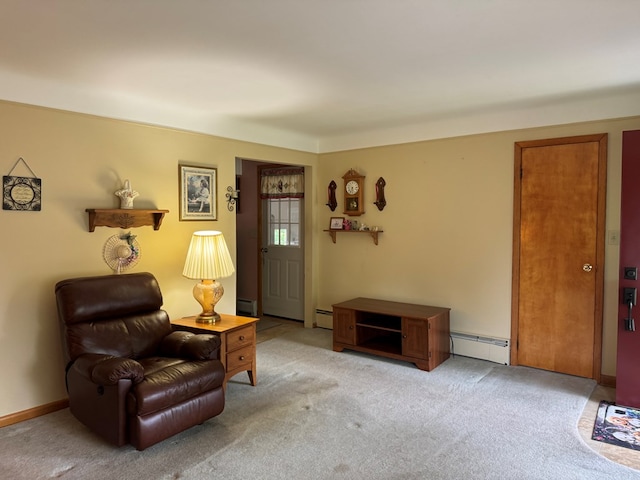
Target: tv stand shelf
x,y
402,331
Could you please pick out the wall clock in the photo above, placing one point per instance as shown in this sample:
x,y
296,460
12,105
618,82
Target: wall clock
x,y
353,193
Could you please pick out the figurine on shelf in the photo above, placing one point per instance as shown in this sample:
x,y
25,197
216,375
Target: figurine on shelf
x,y
127,194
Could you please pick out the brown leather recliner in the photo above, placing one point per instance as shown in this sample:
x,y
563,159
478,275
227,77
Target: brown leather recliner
x,y
130,378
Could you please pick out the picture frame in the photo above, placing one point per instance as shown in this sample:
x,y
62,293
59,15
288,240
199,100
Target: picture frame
x,y
21,193
336,223
198,192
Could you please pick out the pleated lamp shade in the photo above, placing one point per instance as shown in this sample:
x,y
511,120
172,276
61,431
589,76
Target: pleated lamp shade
x,y
208,257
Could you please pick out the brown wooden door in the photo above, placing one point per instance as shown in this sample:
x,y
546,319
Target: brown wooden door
x,y
558,269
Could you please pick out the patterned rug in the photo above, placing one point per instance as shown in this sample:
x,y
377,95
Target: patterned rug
x,y
617,425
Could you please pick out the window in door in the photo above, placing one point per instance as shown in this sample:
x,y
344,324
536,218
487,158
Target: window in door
x,y
284,221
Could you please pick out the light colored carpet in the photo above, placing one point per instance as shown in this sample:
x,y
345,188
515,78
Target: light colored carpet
x,y
317,414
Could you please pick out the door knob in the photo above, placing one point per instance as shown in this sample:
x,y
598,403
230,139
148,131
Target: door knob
x,y
587,267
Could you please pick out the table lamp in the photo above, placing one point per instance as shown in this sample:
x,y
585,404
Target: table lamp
x,y
207,260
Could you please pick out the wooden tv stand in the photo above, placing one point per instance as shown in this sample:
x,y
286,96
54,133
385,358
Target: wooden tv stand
x,y
403,331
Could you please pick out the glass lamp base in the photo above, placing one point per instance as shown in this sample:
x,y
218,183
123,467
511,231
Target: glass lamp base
x,y
208,293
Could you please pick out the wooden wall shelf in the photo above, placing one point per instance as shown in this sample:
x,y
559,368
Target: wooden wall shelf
x,y
124,218
374,234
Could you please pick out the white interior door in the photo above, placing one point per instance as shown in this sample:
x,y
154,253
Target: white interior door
x,y
282,258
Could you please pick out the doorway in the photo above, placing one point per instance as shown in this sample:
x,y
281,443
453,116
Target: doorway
x,y
558,255
258,287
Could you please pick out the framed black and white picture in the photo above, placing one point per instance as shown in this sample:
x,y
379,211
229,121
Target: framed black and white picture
x,y
198,193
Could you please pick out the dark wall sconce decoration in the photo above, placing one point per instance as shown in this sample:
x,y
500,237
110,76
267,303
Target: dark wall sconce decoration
x,y
233,197
380,200
332,203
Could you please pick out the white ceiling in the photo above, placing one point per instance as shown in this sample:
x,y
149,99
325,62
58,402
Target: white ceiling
x,y
323,75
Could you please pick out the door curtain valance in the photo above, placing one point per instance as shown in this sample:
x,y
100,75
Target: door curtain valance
x,y
284,182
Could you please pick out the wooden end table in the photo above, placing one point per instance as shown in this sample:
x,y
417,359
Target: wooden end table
x,y
237,342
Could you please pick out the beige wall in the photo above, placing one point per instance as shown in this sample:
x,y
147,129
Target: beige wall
x,y
82,160
446,241
448,227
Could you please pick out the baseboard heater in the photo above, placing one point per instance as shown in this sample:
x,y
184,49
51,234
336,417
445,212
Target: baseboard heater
x,y
248,307
324,318
477,346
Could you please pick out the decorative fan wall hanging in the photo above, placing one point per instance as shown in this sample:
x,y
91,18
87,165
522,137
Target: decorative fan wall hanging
x,y
121,252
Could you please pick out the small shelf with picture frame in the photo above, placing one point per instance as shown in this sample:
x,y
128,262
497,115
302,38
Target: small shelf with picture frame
x,y
337,225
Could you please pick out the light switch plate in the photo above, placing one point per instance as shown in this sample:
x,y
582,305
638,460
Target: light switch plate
x,y
613,237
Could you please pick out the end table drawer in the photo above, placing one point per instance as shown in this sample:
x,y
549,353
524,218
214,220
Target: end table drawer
x,y
241,337
239,358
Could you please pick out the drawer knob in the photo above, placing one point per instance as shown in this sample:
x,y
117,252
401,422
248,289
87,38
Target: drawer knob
x,y
241,357
241,338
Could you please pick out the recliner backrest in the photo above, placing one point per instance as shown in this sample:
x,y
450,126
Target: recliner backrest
x,y
118,315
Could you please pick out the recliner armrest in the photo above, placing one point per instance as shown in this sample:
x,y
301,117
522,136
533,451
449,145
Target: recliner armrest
x,y
201,346
107,370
